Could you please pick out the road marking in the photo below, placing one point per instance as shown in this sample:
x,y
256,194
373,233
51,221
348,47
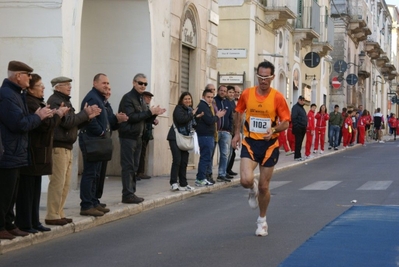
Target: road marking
x,y
375,185
275,184
321,185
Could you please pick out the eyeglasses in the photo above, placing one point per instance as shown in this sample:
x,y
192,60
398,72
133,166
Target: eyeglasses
x,y
39,85
264,77
141,83
27,73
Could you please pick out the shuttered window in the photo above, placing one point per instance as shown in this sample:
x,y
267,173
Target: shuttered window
x,y
185,69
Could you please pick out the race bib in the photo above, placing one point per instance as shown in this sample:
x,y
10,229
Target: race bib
x,y
259,125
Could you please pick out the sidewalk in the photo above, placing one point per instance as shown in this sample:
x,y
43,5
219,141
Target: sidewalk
x,y
155,191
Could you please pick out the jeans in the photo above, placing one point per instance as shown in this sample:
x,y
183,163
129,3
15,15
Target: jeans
x,y
130,150
224,142
90,175
334,135
206,145
179,164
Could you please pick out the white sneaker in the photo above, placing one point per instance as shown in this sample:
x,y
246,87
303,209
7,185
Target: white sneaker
x,y
381,142
309,157
262,228
253,195
315,152
186,188
174,187
299,159
321,152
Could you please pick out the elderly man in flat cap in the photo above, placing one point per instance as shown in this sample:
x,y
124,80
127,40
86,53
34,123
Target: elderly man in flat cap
x,y
65,136
15,123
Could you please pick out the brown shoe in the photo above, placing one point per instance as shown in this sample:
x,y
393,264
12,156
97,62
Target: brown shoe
x,y
6,235
132,200
68,220
56,222
100,208
91,212
143,176
18,232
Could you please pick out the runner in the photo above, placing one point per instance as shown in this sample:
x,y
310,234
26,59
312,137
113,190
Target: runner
x,y
263,106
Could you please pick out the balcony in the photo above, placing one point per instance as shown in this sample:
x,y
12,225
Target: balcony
x,y
358,21
307,24
372,48
389,70
278,12
382,60
325,42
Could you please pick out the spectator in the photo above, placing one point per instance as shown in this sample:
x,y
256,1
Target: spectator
x,y
378,124
299,124
41,140
213,110
310,131
393,122
206,132
361,126
232,92
336,122
147,136
343,114
65,136
321,121
114,125
130,135
355,118
224,127
184,121
98,127
290,139
15,123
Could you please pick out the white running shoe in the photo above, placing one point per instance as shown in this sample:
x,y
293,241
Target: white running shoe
x,y
186,188
381,142
174,187
262,228
321,152
253,195
309,157
315,152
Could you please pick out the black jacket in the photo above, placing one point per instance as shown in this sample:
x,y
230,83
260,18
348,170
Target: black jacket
x,y
66,133
41,141
225,123
298,117
138,114
181,119
206,123
15,123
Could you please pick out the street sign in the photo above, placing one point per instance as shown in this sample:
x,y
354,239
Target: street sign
x,y
335,83
312,59
340,66
351,79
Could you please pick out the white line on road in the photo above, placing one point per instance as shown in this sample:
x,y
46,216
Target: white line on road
x,y
321,185
375,185
275,184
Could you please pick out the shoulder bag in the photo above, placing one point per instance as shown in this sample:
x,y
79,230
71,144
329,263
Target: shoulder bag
x,y
96,149
184,142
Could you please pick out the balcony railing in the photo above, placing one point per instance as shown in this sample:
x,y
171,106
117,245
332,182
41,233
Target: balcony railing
x,y
310,18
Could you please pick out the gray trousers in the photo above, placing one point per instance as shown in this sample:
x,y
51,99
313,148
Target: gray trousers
x,y
129,163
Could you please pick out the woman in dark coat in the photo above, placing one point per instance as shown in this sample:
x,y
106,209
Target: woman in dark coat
x,y
40,155
183,119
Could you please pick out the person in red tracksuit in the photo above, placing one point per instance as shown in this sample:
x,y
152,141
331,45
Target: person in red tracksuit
x,y
310,130
347,129
291,140
321,120
362,123
282,140
393,122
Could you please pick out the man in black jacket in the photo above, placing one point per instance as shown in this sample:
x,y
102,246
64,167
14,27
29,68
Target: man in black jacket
x,y
130,133
15,123
299,122
65,136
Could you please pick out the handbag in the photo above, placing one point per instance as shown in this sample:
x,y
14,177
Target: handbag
x,y
96,149
184,142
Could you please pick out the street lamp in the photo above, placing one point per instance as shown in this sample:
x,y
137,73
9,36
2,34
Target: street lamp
x,y
362,56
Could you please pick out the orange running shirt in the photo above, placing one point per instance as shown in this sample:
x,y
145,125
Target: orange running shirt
x,y
262,112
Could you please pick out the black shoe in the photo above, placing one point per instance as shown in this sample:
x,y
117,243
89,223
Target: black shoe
x,y
30,230
232,173
138,178
223,179
229,176
211,180
335,148
41,228
329,147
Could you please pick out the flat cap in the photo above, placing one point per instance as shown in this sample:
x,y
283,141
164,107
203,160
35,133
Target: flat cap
x,y
148,93
61,79
18,66
301,98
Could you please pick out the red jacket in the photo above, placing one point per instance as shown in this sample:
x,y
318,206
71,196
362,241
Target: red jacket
x,y
393,123
321,119
348,123
311,121
363,121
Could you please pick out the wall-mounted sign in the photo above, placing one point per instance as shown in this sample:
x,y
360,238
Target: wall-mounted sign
x,y
232,53
189,31
312,59
231,79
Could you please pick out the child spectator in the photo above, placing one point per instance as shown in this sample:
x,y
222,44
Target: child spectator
x,y
362,123
310,130
393,124
321,120
347,129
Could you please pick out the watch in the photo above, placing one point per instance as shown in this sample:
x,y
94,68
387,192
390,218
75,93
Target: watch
x,y
273,130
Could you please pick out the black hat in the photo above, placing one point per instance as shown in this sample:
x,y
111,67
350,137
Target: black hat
x,y
61,79
18,66
301,98
148,93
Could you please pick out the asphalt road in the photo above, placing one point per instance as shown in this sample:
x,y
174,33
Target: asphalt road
x,y
217,229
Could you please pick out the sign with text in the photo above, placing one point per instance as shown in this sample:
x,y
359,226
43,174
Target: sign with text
x,y
231,79
232,53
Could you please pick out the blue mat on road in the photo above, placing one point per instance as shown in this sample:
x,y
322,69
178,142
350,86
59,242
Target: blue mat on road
x,y
362,236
